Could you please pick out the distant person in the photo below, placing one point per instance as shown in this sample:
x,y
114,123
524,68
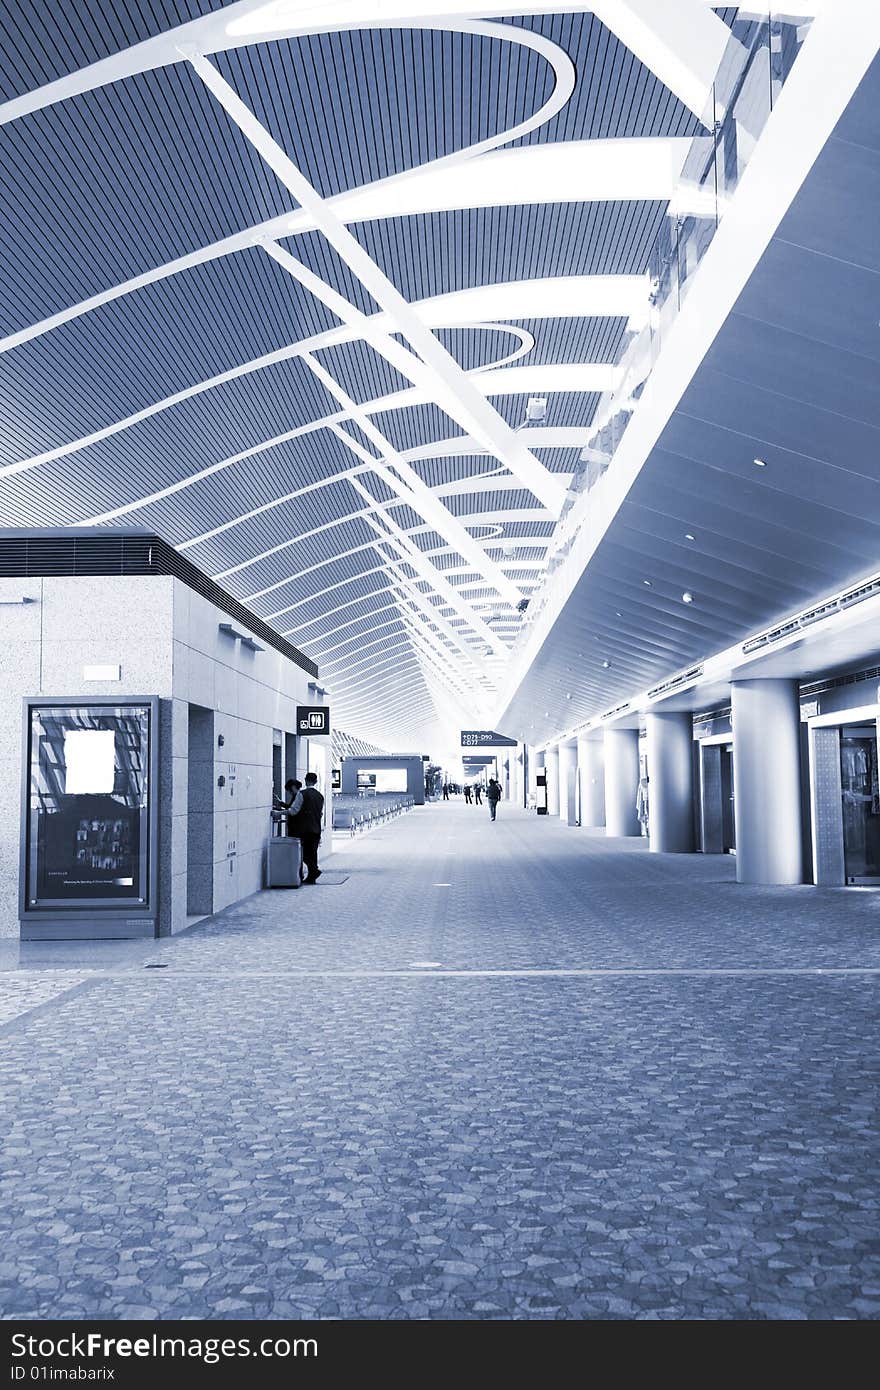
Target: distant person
x,y
445,791
493,796
310,823
478,793
467,794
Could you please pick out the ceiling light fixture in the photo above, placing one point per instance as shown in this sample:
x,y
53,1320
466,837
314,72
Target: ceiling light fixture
x,y
759,463
606,664
647,583
689,537
687,597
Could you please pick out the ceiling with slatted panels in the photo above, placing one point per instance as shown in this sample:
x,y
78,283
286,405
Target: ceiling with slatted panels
x,y
280,279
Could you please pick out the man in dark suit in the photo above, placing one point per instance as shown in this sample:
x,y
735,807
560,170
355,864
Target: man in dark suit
x,y
310,823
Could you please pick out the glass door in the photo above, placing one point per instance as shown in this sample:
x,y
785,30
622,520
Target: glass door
x,y
860,801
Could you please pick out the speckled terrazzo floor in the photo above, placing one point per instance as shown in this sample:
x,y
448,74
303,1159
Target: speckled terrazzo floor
x,y
675,1117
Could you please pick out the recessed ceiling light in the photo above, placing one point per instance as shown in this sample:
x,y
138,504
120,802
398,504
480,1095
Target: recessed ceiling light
x,y
687,597
606,664
759,463
568,696
647,583
689,537
618,615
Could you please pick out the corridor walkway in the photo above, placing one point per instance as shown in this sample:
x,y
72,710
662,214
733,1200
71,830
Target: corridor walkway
x,y
498,1071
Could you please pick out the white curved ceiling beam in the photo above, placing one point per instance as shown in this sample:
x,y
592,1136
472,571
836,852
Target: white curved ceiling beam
x,y
164,51
592,377
677,39
329,666
409,487
540,437
560,296
317,486
353,666
358,637
564,171
340,608
479,483
390,532
450,381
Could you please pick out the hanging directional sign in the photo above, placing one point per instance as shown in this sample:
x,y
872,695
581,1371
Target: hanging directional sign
x,y
485,738
312,720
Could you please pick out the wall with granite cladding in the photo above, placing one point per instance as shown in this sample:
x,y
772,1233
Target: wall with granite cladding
x,y
167,641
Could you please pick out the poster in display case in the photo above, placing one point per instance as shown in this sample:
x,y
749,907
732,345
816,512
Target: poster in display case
x,y
89,800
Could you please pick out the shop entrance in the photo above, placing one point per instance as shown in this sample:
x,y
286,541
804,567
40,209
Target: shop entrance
x,y
846,803
717,822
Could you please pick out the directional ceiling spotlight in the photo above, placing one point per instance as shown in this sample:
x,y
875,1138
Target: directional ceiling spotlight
x,y
687,597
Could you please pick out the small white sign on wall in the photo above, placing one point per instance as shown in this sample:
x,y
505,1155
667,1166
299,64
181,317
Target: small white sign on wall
x,y
102,673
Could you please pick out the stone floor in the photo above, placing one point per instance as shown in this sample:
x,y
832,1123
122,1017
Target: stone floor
x,y
501,1071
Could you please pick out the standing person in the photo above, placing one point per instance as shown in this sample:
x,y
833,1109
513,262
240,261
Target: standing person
x,y
478,793
310,823
445,791
291,802
493,796
467,793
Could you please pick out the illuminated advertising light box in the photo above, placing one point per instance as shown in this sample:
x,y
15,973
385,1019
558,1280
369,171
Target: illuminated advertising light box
x,y
89,817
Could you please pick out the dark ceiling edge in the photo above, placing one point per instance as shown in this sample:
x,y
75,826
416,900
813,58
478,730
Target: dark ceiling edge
x,y
40,553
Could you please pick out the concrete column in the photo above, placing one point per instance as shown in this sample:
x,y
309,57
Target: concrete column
x,y
552,765
671,782
621,781
767,781
567,776
591,771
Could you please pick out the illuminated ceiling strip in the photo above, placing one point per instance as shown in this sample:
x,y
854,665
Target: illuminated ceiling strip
x,y
452,386
546,378
563,171
409,487
340,608
355,637
352,622
317,486
347,688
386,653
460,648
677,39
209,34
285,545
540,437
269,359
313,569
322,593
562,296
377,330
343,660
428,572
439,662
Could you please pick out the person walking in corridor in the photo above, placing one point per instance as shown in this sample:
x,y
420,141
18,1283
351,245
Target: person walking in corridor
x,y
467,793
478,793
310,823
445,791
493,796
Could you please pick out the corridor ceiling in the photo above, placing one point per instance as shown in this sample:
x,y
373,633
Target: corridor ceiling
x,y
280,280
